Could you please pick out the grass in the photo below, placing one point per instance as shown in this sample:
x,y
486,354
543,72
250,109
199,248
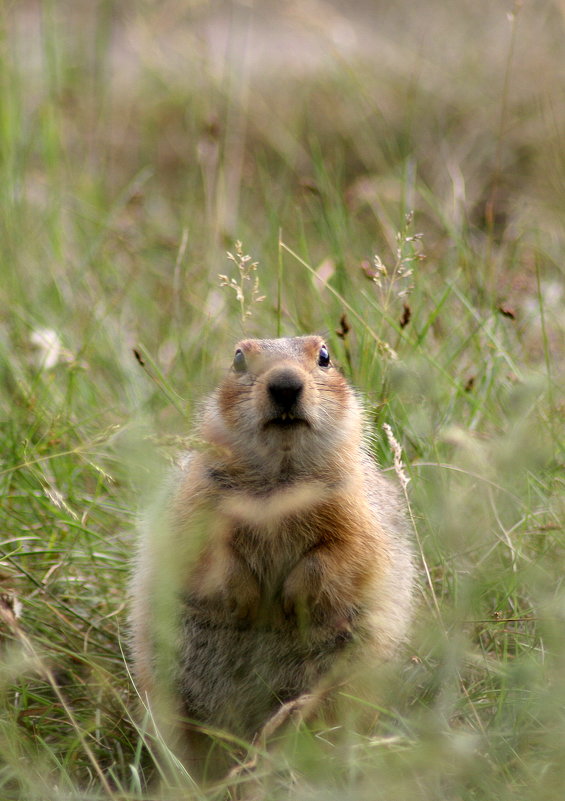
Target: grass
x,y
133,155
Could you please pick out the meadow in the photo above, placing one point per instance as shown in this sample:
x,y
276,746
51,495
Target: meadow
x,y
396,174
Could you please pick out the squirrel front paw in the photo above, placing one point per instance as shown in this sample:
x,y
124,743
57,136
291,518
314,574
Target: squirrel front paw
x,y
227,588
314,603
242,603
241,594
300,593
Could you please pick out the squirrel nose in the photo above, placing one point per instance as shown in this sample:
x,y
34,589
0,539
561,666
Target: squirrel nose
x,y
284,389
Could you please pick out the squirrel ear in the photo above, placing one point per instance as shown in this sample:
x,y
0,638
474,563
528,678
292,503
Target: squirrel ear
x,y
239,363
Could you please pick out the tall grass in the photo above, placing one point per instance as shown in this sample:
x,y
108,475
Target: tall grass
x,y
138,142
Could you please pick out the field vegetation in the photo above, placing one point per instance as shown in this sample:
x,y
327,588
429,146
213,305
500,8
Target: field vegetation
x,y
397,172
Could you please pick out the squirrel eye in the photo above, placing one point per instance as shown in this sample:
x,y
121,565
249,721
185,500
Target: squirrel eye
x,y
239,363
324,357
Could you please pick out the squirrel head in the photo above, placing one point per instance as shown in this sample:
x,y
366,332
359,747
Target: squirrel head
x,y
284,399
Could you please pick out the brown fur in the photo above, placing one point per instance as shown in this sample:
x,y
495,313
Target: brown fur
x,y
283,562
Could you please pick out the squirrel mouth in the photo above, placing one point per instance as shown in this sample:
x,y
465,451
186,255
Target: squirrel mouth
x,y
286,420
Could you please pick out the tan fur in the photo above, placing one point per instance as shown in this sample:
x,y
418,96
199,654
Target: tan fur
x,y
282,563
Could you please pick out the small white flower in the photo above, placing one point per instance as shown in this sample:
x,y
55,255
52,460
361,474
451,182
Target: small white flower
x,y
49,350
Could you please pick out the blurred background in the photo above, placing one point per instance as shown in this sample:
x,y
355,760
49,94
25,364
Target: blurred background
x,y
130,128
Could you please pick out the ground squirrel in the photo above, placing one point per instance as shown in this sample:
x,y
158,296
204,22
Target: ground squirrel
x,y
283,561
